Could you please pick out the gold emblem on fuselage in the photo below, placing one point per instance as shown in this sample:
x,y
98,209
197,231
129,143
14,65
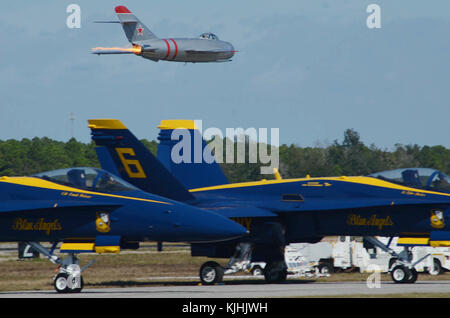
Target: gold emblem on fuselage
x,y
437,219
102,222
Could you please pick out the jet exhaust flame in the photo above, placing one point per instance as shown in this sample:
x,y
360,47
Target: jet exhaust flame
x,y
136,49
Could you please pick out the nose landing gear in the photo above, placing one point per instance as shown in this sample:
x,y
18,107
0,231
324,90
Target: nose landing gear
x,y
68,279
402,271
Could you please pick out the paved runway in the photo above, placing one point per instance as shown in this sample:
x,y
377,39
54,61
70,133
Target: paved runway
x,y
249,290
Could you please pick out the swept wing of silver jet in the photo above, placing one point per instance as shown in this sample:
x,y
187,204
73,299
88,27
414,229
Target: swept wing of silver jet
x,y
206,48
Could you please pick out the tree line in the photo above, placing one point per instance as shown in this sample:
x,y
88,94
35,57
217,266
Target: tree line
x,y
350,157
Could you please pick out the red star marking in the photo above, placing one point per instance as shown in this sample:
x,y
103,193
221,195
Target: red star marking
x,y
140,30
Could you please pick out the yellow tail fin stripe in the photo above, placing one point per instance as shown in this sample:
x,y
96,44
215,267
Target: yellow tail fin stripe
x,y
177,124
106,124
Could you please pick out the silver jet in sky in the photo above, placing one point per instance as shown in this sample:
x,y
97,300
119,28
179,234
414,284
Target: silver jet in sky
x,y
206,48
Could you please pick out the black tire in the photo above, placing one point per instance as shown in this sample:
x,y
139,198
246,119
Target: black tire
x,y
211,273
413,277
325,268
437,268
401,274
60,283
274,274
257,270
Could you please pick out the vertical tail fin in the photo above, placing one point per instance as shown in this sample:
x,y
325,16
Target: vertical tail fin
x,y
134,29
193,172
121,153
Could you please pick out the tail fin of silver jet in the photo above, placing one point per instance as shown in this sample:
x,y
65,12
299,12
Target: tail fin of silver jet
x,y
134,29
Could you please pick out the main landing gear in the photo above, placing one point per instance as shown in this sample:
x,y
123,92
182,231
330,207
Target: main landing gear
x,y
402,269
212,273
68,279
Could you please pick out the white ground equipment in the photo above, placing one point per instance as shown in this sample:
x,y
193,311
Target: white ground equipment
x,y
379,254
351,253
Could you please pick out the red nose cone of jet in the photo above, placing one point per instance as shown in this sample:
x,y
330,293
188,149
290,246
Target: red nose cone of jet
x,y
122,9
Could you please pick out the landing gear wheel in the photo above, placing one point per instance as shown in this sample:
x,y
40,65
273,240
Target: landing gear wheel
x,y
63,285
436,269
257,270
325,269
412,279
275,274
211,273
60,283
402,275
78,289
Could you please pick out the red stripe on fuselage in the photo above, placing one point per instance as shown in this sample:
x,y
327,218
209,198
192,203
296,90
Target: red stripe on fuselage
x,y
168,49
176,49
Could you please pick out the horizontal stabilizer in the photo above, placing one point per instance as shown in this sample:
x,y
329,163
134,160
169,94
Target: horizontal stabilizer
x,y
107,22
129,18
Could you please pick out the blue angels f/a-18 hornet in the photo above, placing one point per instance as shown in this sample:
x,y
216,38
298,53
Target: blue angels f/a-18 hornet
x,y
206,48
282,211
90,210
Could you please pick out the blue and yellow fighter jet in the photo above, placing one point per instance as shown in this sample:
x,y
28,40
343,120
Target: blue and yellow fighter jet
x,y
91,210
282,211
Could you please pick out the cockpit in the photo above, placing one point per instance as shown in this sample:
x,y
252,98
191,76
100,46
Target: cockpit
x,y
420,178
209,36
91,179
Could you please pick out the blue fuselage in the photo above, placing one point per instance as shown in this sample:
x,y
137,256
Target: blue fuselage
x,y
38,210
318,207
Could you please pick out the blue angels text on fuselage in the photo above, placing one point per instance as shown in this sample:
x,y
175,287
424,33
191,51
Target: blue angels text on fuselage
x,y
206,48
279,212
91,210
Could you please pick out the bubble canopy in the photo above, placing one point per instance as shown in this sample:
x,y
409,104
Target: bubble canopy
x,y
209,36
86,178
420,178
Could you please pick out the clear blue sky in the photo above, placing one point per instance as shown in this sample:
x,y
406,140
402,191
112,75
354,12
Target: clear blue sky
x,y
311,68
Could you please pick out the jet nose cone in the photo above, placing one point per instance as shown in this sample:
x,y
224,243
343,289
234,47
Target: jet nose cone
x,y
184,223
230,49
